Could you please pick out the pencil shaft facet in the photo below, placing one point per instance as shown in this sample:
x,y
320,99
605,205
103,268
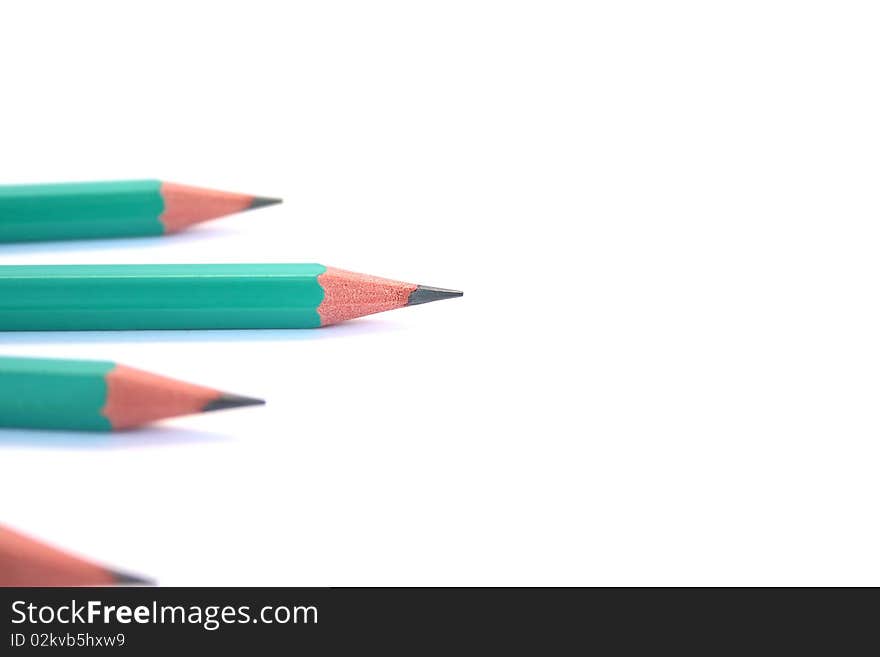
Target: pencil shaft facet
x,y
122,297
80,210
44,393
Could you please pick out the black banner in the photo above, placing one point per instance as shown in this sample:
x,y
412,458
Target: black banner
x,y
412,620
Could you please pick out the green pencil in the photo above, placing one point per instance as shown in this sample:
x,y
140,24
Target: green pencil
x,y
223,296
82,395
129,208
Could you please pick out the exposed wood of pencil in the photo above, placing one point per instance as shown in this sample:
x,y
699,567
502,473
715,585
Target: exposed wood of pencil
x,y
348,295
186,205
136,397
25,561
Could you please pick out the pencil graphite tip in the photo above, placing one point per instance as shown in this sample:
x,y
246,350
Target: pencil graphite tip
x,y
427,294
127,579
263,201
229,400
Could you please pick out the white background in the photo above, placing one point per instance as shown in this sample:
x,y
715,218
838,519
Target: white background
x,y
665,368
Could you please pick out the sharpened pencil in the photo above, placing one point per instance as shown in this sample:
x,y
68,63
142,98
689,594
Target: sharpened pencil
x,y
224,296
83,395
25,561
95,210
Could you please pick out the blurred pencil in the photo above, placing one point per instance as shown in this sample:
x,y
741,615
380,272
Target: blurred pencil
x,y
129,208
82,395
230,296
24,561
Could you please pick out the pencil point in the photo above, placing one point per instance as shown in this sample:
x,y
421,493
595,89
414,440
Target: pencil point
x,y
263,201
130,580
228,400
427,294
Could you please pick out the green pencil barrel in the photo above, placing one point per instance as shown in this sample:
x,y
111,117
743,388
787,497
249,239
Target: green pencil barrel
x,y
122,297
38,393
80,210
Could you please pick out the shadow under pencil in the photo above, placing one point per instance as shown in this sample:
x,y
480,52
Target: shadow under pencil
x,y
199,233
361,326
153,436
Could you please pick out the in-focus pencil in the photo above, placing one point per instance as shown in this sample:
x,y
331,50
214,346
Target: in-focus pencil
x,y
222,296
25,561
127,208
83,395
